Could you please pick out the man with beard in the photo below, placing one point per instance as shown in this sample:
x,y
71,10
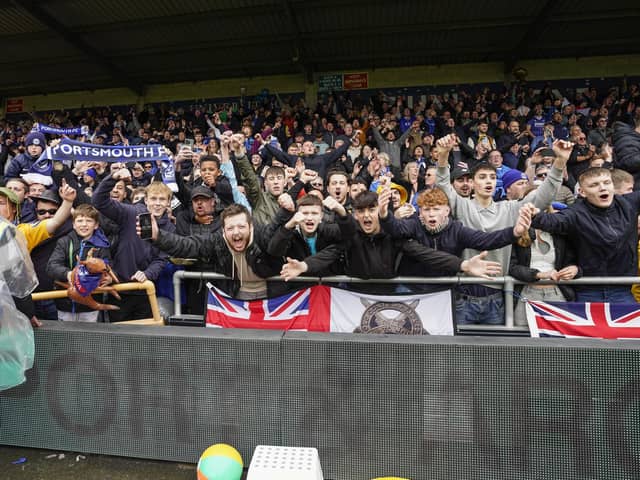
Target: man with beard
x,y
338,188
237,250
461,182
201,219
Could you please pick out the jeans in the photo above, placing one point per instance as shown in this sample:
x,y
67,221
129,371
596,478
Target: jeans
x,y
605,294
487,310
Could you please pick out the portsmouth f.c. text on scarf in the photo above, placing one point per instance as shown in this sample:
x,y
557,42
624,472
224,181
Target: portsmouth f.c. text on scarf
x,y
83,130
70,151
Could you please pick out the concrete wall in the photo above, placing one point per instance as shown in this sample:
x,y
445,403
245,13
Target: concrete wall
x,y
417,407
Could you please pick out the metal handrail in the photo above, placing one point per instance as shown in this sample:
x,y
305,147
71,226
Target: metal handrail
x,y
147,286
508,283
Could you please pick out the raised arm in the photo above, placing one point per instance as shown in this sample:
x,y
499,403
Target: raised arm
x,y
249,176
546,193
68,195
280,155
101,198
478,240
227,169
329,158
443,175
405,228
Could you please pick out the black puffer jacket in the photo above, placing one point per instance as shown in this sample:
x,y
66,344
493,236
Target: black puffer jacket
x,y
626,147
605,240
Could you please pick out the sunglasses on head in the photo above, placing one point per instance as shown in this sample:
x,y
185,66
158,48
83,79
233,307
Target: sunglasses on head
x,y
50,211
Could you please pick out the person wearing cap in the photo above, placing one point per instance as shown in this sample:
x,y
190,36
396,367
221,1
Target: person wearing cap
x,y
140,178
200,219
89,180
37,182
540,255
35,143
399,197
483,303
461,182
37,232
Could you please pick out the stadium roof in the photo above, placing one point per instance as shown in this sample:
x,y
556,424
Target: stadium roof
x,y
63,45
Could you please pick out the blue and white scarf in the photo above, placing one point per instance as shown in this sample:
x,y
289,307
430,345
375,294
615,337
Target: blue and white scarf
x,y
83,130
69,151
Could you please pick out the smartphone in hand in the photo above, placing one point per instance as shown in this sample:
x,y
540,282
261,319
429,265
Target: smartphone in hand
x,y
144,219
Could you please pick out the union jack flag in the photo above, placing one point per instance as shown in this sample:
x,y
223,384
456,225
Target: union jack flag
x,y
287,312
575,320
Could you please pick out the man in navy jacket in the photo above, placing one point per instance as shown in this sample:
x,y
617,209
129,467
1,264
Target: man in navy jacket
x,y
602,227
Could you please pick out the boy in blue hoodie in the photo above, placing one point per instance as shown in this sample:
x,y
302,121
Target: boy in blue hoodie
x,y
86,236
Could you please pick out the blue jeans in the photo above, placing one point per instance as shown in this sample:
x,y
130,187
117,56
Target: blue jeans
x,y
487,310
605,294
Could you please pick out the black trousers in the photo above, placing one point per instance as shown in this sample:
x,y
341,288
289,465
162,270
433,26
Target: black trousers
x,y
132,307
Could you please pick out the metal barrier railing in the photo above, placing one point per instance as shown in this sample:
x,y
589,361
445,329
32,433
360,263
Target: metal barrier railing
x,y
508,283
147,285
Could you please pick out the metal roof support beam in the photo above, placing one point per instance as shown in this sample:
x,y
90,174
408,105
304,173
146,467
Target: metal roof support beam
x,y
298,57
34,9
530,36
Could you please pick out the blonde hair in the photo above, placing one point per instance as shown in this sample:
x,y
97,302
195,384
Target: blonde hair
x,y
159,188
384,158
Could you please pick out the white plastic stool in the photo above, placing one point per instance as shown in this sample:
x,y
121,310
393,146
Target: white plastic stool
x,y
285,463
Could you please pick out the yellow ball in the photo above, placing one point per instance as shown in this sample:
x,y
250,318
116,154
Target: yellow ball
x,y
390,478
220,462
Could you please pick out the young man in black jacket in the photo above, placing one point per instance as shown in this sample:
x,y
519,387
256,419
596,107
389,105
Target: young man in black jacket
x,y
602,227
372,253
307,238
